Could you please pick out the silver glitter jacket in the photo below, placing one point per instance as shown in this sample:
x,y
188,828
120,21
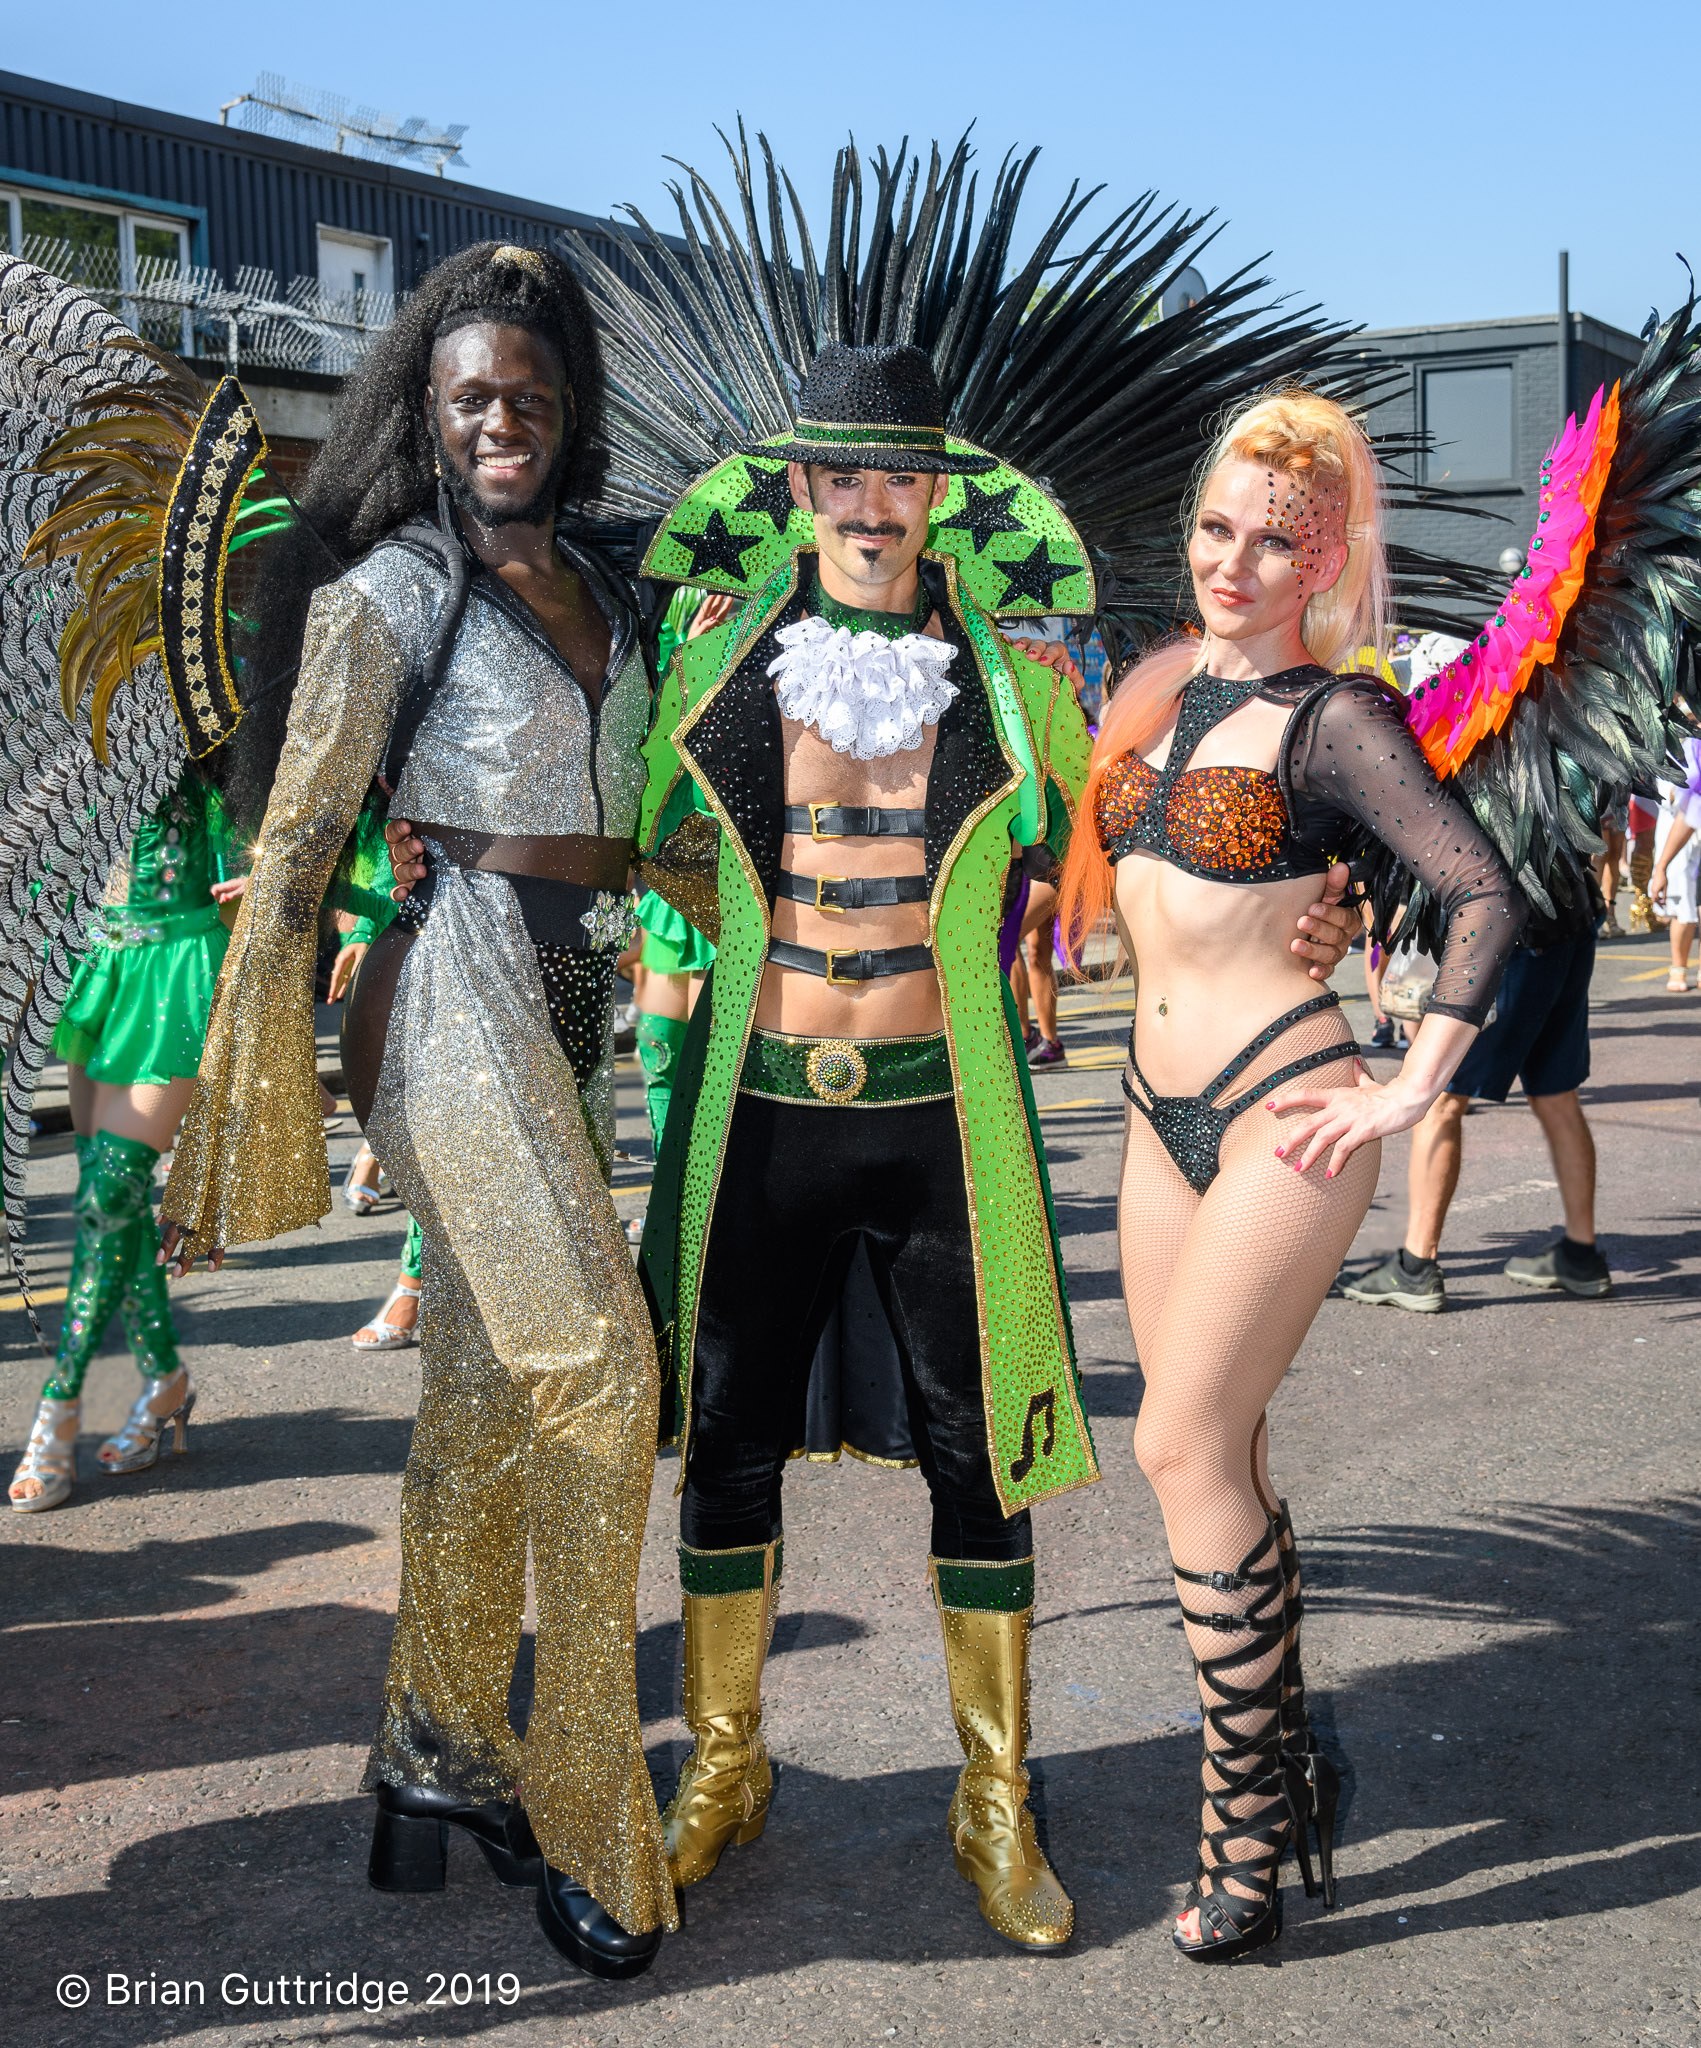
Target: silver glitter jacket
x,y
510,742
509,745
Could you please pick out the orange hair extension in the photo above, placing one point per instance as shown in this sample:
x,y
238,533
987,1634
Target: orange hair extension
x,y
1139,711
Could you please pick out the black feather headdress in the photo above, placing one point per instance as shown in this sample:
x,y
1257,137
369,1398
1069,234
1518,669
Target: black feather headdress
x,y
1053,353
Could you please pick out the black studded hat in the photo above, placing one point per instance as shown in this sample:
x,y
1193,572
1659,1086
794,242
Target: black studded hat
x,y
873,408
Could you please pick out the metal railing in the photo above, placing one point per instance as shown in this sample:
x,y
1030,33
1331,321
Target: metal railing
x,y
254,322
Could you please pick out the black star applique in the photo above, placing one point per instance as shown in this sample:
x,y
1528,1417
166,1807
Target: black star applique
x,y
716,549
1036,575
769,494
985,513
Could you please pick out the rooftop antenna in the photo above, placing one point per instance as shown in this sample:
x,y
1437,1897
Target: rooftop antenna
x,y
327,120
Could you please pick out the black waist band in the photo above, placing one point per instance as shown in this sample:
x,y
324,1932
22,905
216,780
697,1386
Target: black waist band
x,y
852,892
845,963
569,914
851,821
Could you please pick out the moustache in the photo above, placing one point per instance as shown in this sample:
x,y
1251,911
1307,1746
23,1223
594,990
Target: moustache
x,y
852,531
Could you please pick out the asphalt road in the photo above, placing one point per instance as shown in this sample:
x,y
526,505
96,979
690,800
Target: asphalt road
x,y
1500,1513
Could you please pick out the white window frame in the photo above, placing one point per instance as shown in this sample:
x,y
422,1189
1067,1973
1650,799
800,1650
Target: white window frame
x,y
129,218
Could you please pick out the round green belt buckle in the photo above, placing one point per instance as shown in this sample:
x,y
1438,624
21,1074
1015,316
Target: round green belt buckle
x,y
835,1071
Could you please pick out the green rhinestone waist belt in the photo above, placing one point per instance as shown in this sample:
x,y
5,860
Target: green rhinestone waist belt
x,y
130,924
842,1073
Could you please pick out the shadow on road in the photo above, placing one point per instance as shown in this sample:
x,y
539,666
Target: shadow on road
x,y
1559,1788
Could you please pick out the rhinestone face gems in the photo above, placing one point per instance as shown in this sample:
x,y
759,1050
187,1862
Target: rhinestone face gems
x,y
836,1071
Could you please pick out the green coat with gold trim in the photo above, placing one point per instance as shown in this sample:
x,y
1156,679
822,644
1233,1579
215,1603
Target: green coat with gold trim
x,y
1010,760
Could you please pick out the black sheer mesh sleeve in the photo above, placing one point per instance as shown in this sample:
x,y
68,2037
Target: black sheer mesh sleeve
x,y
1353,767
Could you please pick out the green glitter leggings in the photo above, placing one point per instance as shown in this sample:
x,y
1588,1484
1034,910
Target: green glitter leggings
x,y
113,1265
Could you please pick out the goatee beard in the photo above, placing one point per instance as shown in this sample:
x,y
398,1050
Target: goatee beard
x,y
538,510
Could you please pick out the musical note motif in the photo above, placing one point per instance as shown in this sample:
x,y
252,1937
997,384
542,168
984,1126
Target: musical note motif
x,y
1042,1404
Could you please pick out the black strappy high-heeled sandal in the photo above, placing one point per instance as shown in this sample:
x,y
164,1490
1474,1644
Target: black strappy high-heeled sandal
x,y
1318,1786
1254,1771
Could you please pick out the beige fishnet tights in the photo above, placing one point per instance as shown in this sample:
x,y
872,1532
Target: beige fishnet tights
x,y
1221,1290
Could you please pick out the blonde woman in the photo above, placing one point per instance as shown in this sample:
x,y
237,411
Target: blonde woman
x,y
1227,773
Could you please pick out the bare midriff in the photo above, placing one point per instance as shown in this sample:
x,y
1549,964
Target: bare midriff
x,y
1214,959
894,1006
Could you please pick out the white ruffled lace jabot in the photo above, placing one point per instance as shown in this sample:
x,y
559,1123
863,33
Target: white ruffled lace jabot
x,y
866,696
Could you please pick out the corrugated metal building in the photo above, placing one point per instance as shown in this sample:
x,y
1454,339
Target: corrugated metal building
x,y
238,198
118,187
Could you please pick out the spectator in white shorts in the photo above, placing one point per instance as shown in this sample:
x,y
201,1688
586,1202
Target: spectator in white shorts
x,y
1673,883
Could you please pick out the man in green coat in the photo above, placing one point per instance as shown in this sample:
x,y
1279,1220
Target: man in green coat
x,y
856,758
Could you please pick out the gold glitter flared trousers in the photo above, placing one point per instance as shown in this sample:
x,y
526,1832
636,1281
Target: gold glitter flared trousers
x,y
537,1417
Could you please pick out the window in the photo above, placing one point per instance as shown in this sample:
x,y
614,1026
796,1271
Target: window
x,y
109,249
357,268
1468,415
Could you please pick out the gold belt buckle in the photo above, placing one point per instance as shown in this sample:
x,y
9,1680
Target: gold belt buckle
x,y
815,811
832,909
835,1071
834,978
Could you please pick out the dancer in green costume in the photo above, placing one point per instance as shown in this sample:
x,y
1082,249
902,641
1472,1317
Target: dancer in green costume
x,y
362,892
130,1036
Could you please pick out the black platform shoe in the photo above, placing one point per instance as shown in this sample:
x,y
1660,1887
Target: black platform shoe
x,y
410,1838
591,1939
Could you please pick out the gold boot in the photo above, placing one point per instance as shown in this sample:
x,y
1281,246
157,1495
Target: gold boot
x,y
726,1784
992,1831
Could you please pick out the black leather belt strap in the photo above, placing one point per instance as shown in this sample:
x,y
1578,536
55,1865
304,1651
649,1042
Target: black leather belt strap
x,y
846,964
852,892
850,821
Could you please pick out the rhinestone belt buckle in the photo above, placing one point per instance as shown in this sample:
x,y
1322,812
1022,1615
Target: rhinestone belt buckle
x,y
610,921
836,1071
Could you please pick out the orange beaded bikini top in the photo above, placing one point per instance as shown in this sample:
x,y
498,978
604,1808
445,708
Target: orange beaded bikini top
x,y
1228,824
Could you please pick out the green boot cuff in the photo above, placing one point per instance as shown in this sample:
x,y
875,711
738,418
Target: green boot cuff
x,y
983,1588
659,1040
704,1573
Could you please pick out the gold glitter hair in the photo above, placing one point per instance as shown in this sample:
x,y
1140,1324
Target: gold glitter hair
x,y
526,259
1325,488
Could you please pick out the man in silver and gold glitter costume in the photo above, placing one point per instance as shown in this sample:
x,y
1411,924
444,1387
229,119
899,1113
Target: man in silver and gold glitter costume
x,y
485,669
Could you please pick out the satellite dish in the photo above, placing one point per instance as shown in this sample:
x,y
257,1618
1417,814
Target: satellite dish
x,y
1186,290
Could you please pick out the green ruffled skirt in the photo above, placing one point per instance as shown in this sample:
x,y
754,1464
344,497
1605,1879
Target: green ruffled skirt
x,y
139,1001
672,943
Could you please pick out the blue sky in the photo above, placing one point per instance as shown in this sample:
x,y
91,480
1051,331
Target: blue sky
x,y
1400,164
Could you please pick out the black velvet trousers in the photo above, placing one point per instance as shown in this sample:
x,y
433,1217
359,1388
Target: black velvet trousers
x,y
800,1184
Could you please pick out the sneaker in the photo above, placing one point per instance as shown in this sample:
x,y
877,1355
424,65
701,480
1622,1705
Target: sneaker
x,y
1564,1268
1416,1285
1048,1052
1382,1038
1030,1038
